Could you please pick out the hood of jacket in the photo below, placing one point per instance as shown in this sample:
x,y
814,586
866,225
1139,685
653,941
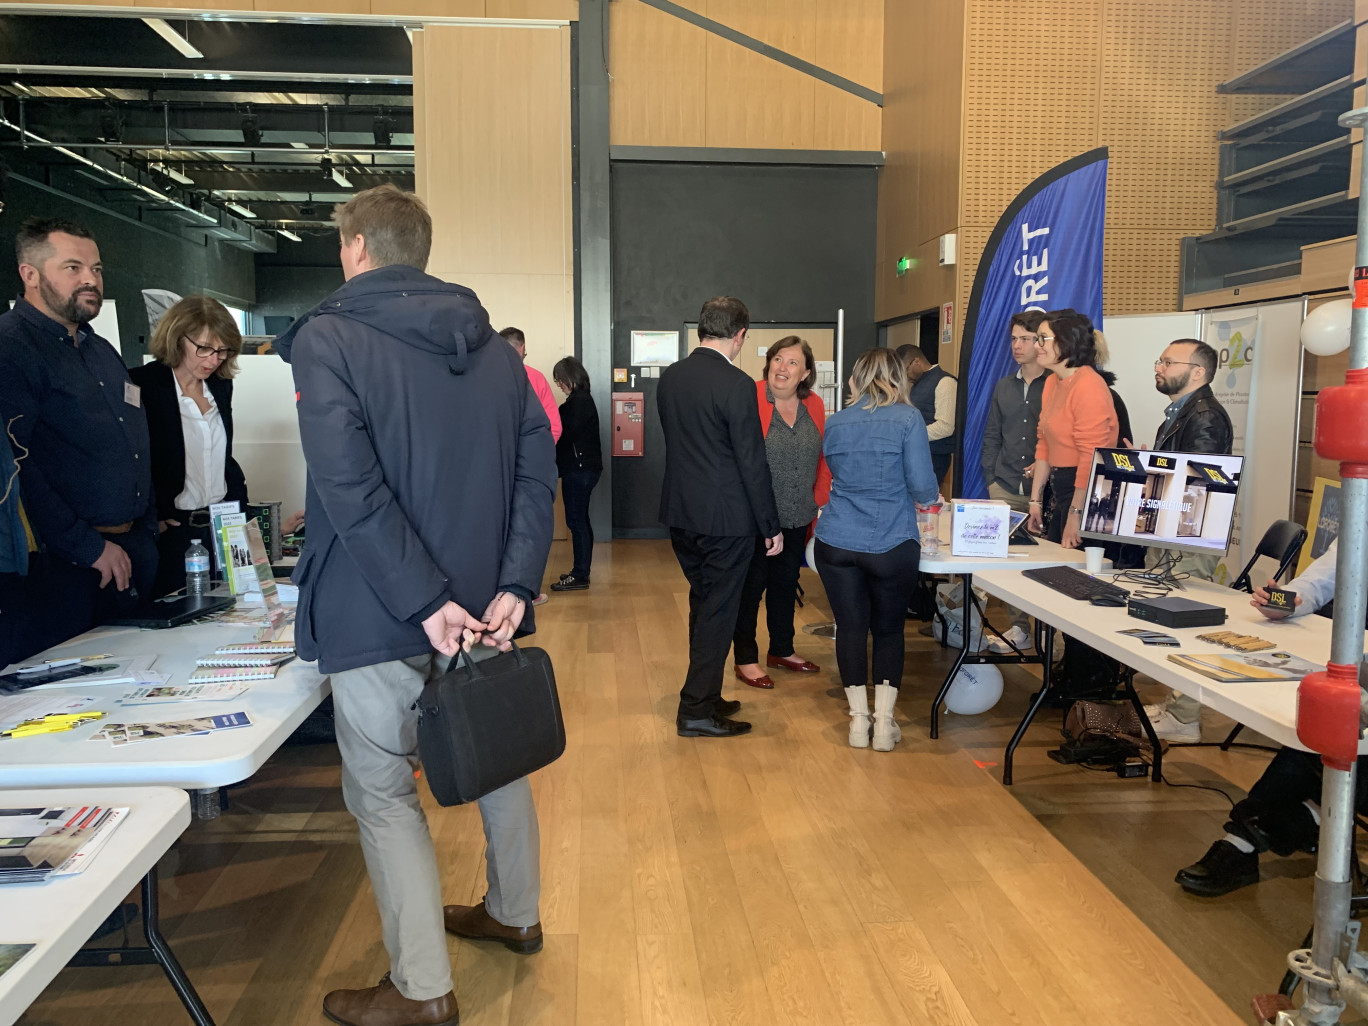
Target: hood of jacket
x,y
410,306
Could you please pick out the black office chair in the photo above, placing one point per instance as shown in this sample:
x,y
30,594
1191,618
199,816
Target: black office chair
x,y
1282,541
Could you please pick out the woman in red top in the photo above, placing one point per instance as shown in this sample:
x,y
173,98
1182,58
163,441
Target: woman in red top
x,y
792,418
1077,415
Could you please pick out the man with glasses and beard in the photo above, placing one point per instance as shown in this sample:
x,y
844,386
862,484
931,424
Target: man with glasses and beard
x,y
77,426
1194,421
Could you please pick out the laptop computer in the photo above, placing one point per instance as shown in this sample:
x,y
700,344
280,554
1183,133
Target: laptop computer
x,y
172,611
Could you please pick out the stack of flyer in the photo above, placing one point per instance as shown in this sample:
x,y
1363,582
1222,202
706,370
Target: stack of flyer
x,y
120,734
252,661
37,843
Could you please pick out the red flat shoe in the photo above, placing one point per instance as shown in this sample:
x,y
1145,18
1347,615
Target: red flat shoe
x,y
762,681
795,663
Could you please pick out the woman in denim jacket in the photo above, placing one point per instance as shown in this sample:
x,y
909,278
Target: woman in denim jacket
x,y
867,547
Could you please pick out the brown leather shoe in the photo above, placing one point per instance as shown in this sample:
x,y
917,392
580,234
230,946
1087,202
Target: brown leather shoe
x,y
761,681
796,663
383,1005
473,922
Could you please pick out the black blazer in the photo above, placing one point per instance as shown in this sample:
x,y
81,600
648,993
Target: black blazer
x,y
1202,425
717,479
579,446
159,401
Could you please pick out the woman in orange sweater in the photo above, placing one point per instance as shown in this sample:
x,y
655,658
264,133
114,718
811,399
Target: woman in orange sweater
x,y
1077,415
792,418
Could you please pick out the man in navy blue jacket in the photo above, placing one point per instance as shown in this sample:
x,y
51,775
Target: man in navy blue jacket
x,y
431,479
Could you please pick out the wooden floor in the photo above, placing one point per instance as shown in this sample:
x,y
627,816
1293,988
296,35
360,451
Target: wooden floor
x,y
779,878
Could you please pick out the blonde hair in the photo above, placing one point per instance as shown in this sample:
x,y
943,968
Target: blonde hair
x,y
395,224
187,319
879,378
1100,347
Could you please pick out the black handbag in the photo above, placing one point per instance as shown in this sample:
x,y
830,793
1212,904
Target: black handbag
x,y
484,725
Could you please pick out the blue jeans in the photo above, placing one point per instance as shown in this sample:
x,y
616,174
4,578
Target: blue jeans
x,y
576,487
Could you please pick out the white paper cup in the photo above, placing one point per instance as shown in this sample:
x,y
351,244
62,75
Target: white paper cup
x,y
1093,554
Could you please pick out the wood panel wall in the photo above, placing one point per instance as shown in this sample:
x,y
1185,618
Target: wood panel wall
x,y
556,10
493,164
1046,81
675,84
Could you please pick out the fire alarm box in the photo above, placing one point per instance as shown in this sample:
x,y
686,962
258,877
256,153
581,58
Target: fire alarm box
x,y
629,426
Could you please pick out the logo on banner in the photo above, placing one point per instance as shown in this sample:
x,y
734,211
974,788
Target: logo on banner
x,y
1122,461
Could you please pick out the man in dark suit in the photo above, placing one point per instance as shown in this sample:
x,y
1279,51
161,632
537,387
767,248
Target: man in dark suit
x,y
717,497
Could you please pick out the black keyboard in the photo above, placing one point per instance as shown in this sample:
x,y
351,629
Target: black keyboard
x,y
1071,581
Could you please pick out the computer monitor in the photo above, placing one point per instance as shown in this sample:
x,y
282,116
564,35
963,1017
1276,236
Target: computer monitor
x,y
1167,500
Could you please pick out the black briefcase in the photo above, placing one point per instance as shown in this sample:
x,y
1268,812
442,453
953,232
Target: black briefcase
x,y
483,725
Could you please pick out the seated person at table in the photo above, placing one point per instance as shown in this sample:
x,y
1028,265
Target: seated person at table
x,y
1282,812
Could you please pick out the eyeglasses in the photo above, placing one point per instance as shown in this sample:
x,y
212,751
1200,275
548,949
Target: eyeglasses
x,y
1044,338
1166,364
207,351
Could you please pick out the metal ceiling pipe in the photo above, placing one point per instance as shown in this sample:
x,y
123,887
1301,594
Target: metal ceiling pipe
x,y
191,147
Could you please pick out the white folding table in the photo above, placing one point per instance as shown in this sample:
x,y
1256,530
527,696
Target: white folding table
x,y
201,763
60,915
1025,557
1269,708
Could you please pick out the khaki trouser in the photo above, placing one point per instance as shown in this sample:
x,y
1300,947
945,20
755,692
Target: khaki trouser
x,y
1022,504
1185,708
377,733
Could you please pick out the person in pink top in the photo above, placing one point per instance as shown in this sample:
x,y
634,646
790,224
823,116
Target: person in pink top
x,y
518,341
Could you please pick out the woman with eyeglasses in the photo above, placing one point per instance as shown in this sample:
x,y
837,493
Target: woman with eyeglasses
x,y
1077,415
187,393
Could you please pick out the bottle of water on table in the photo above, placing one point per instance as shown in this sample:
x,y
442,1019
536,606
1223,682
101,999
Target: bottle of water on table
x,y
196,570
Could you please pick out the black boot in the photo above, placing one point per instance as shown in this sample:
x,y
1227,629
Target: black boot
x,y
1224,868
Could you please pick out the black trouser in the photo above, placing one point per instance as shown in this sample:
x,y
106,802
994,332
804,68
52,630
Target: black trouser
x,y
869,593
57,600
940,465
776,578
715,567
171,546
1058,499
1276,807
576,487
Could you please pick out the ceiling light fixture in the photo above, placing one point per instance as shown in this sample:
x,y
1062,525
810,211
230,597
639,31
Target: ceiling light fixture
x,y
238,208
173,174
183,46
289,235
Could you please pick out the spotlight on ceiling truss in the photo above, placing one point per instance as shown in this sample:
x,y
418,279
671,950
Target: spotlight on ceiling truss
x,y
330,171
111,125
251,129
383,130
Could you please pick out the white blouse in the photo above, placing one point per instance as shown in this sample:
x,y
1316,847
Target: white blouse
x,y
206,452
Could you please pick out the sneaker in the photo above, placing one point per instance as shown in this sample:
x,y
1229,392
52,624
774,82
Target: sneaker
x,y
1224,868
1018,638
540,600
1168,727
569,582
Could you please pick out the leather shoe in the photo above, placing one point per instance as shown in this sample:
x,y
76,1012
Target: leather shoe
x,y
711,726
1224,868
761,681
796,663
727,707
383,1005
474,922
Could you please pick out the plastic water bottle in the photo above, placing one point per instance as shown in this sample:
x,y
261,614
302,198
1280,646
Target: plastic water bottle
x,y
196,570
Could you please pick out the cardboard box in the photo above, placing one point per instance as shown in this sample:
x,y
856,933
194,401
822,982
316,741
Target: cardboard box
x,y
979,527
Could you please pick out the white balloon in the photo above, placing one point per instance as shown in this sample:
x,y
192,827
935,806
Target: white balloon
x,y
810,553
1350,284
976,689
1326,328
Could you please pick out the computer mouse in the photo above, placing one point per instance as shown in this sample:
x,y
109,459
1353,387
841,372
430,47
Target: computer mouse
x,y
1108,600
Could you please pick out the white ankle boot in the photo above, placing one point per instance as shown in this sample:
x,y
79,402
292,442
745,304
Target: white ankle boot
x,y
858,697
886,732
